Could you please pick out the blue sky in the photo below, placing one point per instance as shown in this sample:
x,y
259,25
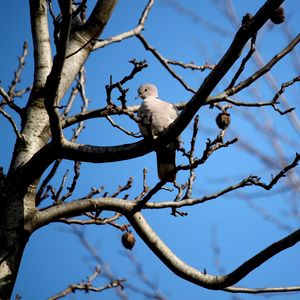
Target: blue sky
x,y
237,223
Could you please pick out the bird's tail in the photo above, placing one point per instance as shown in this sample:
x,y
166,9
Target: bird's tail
x,y
166,163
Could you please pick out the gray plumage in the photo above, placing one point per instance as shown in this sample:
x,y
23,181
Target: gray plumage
x,y
155,116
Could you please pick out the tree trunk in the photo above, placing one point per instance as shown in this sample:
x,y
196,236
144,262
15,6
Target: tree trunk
x,y
17,193
16,209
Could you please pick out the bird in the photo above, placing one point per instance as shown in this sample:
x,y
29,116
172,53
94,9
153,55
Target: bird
x,y
155,115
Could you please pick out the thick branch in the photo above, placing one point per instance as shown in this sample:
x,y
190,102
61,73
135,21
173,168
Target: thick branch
x,y
99,154
187,272
54,78
41,42
98,18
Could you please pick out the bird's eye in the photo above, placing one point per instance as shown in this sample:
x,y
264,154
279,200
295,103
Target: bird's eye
x,y
146,90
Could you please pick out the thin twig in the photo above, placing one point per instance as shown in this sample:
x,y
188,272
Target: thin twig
x,y
114,124
12,123
281,91
244,61
190,65
281,174
97,221
164,62
145,186
154,292
18,72
123,188
9,101
191,158
264,69
74,182
87,286
138,67
97,257
131,33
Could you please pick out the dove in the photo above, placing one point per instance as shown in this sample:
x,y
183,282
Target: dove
x,y
155,116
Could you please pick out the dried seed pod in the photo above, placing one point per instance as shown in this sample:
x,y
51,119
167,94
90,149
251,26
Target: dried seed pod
x,y
128,240
278,16
223,120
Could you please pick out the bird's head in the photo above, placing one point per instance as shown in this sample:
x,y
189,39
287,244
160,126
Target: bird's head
x,y
147,90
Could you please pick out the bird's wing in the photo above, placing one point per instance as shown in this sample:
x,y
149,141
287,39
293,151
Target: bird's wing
x,y
156,114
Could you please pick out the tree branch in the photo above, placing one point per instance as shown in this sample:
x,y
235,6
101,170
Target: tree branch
x,y
125,35
53,80
244,290
164,62
214,77
92,153
12,123
187,272
18,72
98,18
6,99
233,90
41,43
87,286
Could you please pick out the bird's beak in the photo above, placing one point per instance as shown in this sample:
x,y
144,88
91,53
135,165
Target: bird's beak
x,y
138,96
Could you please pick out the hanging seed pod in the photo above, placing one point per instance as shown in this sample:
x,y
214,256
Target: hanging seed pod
x,y
278,16
223,120
128,240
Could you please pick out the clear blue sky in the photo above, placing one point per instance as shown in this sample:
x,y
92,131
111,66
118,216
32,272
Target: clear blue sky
x,y
201,33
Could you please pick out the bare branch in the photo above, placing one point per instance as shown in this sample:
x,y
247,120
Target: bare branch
x,y
12,123
40,195
281,91
21,92
114,124
145,186
164,62
97,221
18,72
6,99
87,286
100,113
53,80
190,66
128,34
187,272
138,67
123,188
197,18
141,203
244,290
265,69
211,147
99,260
281,174
155,292
191,158
246,19
41,43
214,77
74,182
77,207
